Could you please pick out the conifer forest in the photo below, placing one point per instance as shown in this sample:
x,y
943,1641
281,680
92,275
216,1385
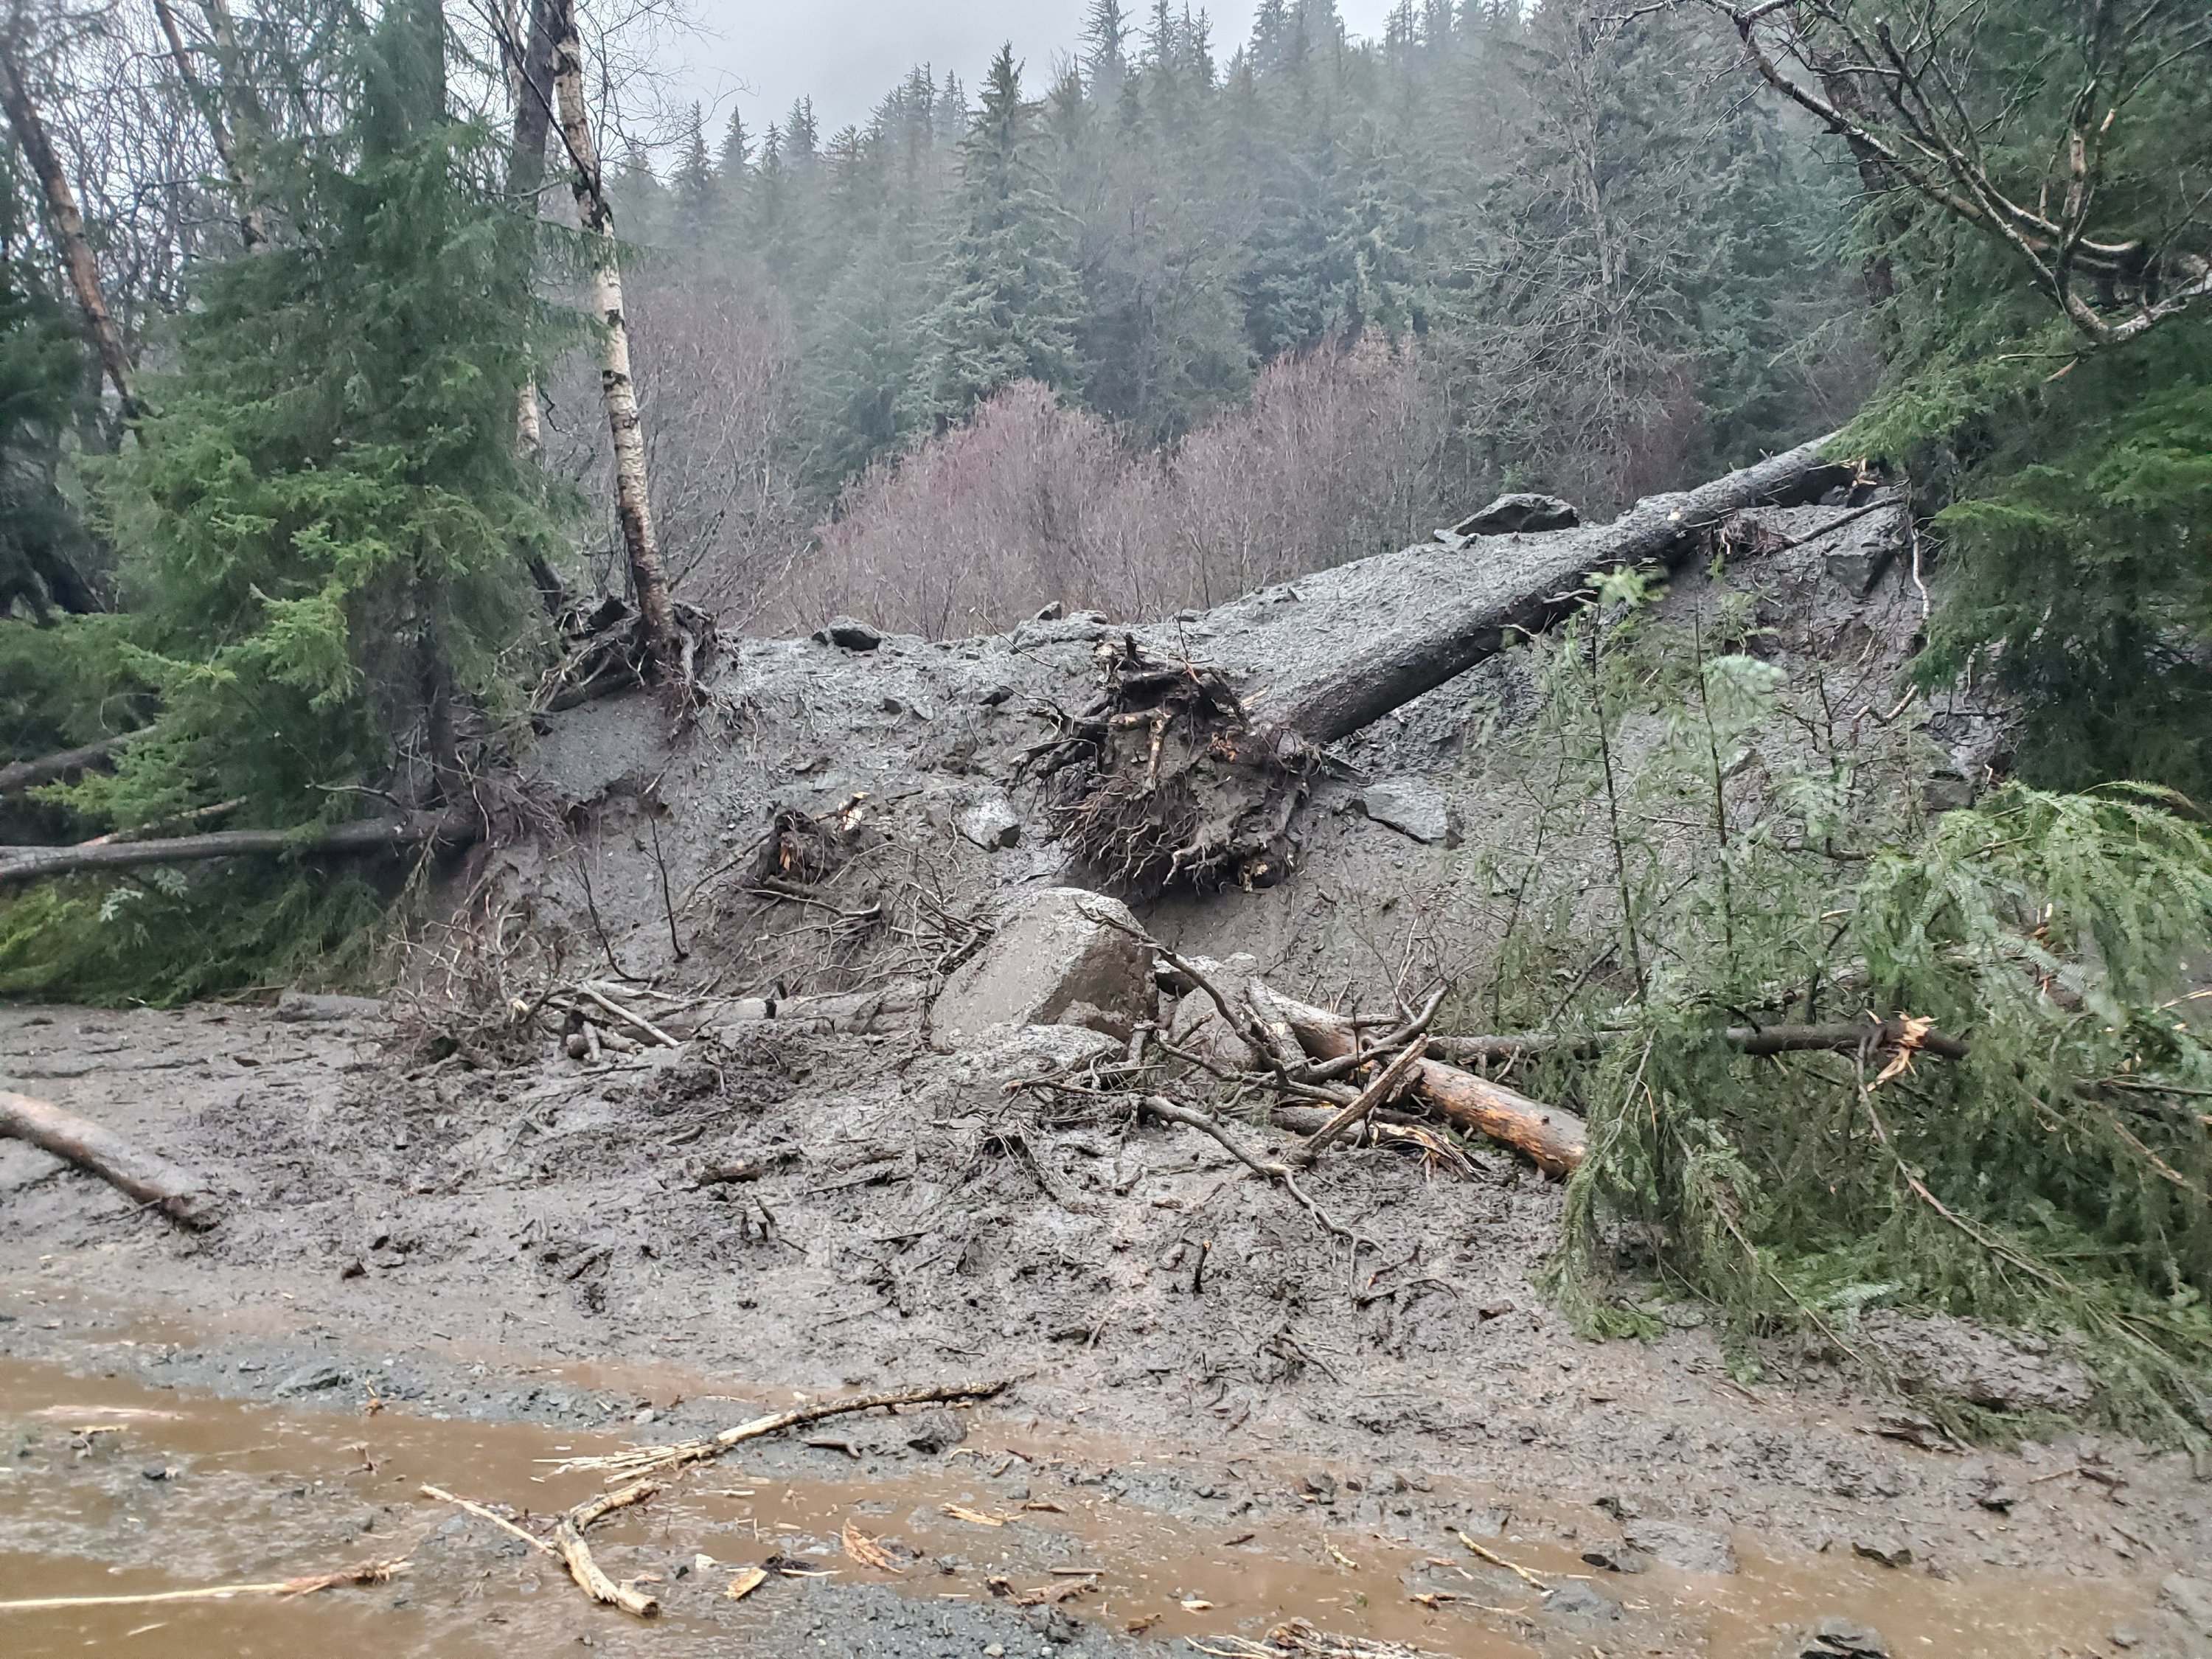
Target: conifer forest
x,y
1294,841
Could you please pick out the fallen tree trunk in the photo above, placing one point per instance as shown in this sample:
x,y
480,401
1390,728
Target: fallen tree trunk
x,y
1555,1140
144,1175
18,775
365,835
1188,771
1838,1037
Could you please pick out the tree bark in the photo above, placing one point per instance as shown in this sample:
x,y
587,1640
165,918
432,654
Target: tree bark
x,y
633,501
367,835
67,224
1555,1140
532,72
252,226
150,1179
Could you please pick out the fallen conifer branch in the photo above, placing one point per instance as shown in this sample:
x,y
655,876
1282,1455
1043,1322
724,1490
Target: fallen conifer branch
x,y
146,1176
368,1573
17,775
644,1460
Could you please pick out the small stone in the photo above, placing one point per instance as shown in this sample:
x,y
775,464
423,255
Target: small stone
x,y
1947,792
1052,612
1323,1486
746,1010
1848,1638
990,822
578,1046
996,1651
1890,1551
157,1472
1692,1549
1409,806
1578,1599
851,633
1387,1483
2125,1636
892,705
1616,1557
1999,1498
313,1379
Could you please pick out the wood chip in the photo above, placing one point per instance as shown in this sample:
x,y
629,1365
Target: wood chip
x,y
974,1517
746,1583
867,1551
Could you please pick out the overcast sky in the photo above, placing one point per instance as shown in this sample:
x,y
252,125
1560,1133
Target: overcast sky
x,y
762,54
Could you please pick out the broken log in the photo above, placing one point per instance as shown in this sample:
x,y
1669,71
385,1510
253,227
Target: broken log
x,y
19,776
364,835
150,1179
1554,1139
1838,1037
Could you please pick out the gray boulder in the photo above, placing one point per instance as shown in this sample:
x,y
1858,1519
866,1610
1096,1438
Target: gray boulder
x,y
851,633
1410,806
989,821
1510,515
1050,954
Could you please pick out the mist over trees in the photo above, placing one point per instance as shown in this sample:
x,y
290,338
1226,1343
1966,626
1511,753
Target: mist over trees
x,y
1606,265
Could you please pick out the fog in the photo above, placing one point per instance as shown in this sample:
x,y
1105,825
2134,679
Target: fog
x,y
846,54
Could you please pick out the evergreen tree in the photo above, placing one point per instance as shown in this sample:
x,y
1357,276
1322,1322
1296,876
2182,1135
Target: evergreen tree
x,y
325,524
695,193
1010,303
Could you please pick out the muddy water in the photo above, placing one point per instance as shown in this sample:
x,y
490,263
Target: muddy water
x,y
108,1487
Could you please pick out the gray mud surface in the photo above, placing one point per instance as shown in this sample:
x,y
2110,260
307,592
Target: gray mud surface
x,y
469,1251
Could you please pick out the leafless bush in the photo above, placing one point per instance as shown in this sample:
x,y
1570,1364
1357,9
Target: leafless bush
x,y
715,362
1337,454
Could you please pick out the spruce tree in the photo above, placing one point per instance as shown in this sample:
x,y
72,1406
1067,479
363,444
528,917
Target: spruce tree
x,y
1009,303
325,526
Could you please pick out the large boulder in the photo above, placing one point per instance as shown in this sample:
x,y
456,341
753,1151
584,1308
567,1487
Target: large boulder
x,y
1051,953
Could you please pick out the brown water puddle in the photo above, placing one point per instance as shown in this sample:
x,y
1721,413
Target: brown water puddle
x,y
262,1492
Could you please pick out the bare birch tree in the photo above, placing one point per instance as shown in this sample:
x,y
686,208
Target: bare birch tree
x,y
66,223
633,501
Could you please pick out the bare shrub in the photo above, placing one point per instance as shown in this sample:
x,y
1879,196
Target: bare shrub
x,y
716,364
1337,454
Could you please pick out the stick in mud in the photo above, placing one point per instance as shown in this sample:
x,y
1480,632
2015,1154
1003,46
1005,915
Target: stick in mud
x,y
645,1460
368,1573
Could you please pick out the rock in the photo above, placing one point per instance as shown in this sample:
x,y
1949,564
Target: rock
x,y
1511,515
1576,1600
1386,1483
1410,806
1091,1017
1937,1354
1052,612
2001,1499
1049,954
313,1379
746,1011
1693,1549
1834,1637
1890,1551
1947,792
157,1472
2189,1597
1322,1485
989,821
851,633
1616,1557
935,1431
302,1007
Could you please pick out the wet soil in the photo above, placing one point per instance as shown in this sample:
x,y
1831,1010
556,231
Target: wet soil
x,y
465,1270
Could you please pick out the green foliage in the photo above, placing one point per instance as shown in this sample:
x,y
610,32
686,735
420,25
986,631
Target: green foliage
x,y
164,937
2057,1178
2081,574
1009,302
324,525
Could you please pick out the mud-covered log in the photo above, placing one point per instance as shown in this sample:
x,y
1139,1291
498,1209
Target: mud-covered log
x,y
1554,1139
146,1176
367,835
1364,639
1190,766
